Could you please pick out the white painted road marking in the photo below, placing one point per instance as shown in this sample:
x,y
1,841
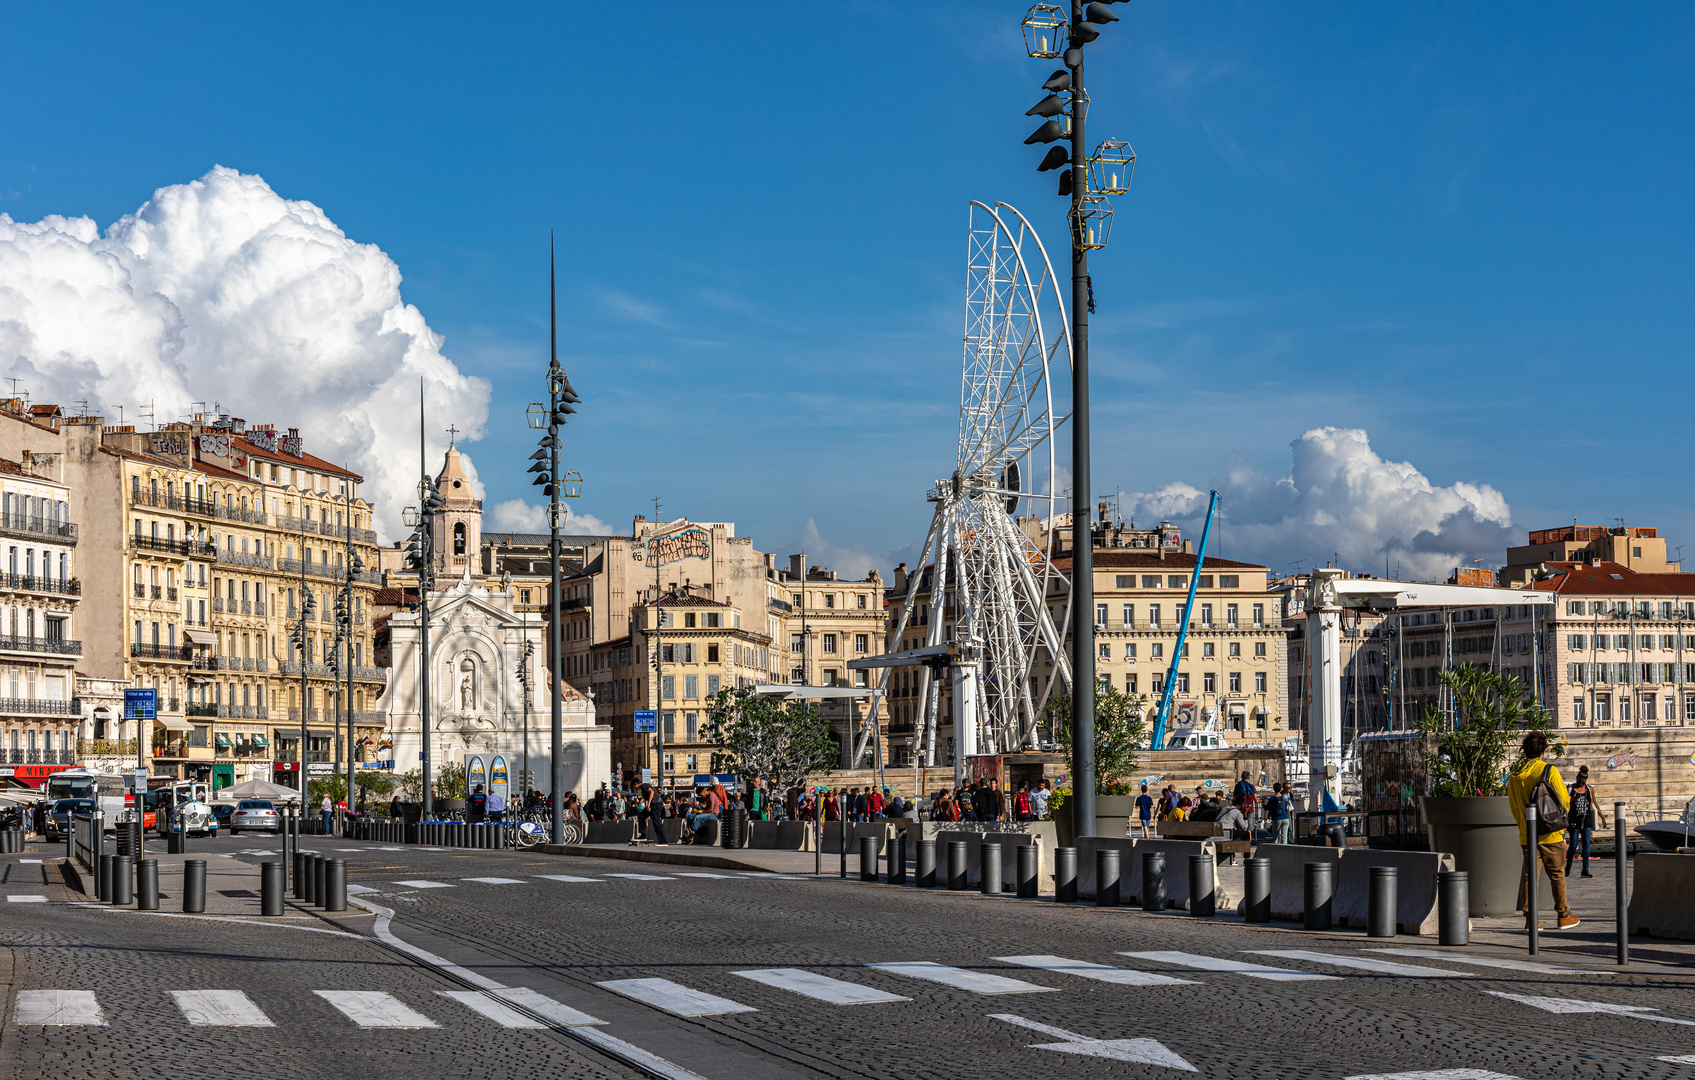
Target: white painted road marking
x,y
569,877
357,889
424,884
1099,972
374,1009
1495,962
1135,1051
391,849
541,1004
819,987
26,899
674,997
497,880
1681,1059
1228,967
59,1007
36,861
1364,963
497,1011
220,1008
1566,1005
978,982
1439,1074
640,877
684,873
774,875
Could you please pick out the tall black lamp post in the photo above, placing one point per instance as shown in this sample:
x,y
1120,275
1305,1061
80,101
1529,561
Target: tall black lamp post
x,y
1051,33
557,487
420,558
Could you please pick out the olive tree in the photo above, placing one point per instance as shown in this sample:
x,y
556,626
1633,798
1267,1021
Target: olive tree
x,y
1473,752
782,740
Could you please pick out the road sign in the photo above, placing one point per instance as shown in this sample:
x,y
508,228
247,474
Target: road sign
x,y
647,774
647,720
141,704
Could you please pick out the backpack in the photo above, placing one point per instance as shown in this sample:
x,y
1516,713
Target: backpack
x,y
1551,816
1249,803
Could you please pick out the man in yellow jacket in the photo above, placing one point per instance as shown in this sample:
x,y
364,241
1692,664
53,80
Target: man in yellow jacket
x,y
1550,844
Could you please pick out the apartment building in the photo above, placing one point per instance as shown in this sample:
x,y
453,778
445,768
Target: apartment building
x,y
201,542
39,650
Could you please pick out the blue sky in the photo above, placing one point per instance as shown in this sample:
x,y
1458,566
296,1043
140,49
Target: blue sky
x,y
1464,229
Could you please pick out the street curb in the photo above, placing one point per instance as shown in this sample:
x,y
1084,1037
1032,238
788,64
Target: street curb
x,y
652,855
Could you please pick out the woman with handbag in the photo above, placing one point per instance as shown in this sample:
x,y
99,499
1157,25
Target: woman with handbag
x,y
1585,809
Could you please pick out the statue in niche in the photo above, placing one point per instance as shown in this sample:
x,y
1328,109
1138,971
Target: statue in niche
x,y
468,685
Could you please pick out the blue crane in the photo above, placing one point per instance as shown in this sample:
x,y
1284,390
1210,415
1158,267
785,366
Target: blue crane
x,y
1182,631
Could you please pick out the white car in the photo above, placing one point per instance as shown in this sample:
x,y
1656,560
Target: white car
x,y
255,814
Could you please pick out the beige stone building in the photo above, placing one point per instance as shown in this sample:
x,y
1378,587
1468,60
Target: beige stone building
x,y
201,541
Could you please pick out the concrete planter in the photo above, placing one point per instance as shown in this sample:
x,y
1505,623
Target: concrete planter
x,y
1482,836
1112,813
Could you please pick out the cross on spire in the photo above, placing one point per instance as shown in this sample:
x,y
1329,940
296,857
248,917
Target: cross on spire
x,y
452,436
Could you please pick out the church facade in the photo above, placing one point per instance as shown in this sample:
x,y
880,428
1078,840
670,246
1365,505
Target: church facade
x,y
479,637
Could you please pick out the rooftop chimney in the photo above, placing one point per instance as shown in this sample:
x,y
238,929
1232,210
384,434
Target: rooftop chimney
x,y
797,566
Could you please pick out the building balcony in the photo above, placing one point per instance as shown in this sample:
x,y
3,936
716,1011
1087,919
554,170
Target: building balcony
x,y
252,562
326,571
138,497
39,707
208,508
176,548
63,647
33,583
36,528
145,651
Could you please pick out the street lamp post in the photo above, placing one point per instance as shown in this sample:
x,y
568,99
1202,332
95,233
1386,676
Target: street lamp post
x,y
1048,34
420,557
297,636
557,487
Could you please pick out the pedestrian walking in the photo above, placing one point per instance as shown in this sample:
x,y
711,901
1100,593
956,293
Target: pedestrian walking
x,y
1039,800
496,806
654,813
1021,806
1277,809
1585,809
476,805
1145,811
326,810
1539,780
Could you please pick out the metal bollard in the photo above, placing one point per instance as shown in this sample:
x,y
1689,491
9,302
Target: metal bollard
x,y
1026,877
868,858
989,863
309,880
103,880
335,885
1153,881
299,875
1533,918
1382,902
926,869
956,865
271,887
897,860
1453,908
1320,891
500,836
321,880
1106,877
1203,901
123,881
147,885
194,885
176,843
1256,882
1065,875
1621,879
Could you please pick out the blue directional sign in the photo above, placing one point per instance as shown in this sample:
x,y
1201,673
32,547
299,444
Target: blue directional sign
x,y
141,704
647,720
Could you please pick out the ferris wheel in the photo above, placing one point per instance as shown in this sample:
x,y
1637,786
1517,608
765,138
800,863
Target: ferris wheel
x,y
1016,335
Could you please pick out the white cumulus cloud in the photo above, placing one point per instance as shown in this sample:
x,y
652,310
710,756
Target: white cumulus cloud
x,y
222,291
516,515
1340,498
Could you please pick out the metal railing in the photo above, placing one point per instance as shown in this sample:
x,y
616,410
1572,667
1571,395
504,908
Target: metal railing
x,y
40,707
324,570
35,583
30,527
106,747
254,562
64,646
214,509
87,834
171,547
217,605
142,649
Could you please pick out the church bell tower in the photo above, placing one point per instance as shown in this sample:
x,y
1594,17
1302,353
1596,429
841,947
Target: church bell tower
x,y
458,525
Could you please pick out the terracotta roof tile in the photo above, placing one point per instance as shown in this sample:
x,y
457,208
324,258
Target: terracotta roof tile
x,y
1613,579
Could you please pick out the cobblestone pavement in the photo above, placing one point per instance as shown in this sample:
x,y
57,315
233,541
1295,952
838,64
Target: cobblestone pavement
x,y
876,980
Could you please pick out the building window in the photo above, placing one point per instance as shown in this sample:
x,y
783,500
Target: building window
x,y
1150,581
712,654
862,601
1207,649
1259,650
1156,650
1130,683
1106,651
1153,616
1577,710
670,763
797,677
691,687
797,643
1229,581
1176,581
1259,614
1182,682
1206,614
861,643
1230,615
713,684
691,727
668,687
1204,581
1235,650
1129,650
1126,581
1209,683
861,678
1259,685
829,643
670,720
1129,614
1235,682
829,599
692,761
1100,614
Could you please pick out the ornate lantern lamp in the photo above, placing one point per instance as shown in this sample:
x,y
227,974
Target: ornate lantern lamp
x,y
1045,31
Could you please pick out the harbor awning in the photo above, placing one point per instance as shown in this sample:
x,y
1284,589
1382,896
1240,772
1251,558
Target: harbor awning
x,y
223,741
200,637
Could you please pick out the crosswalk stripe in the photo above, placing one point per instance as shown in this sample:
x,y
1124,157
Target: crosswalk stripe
x,y
1495,962
1099,972
1382,967
497,880
773,875
344,849
640,877
1439,1074
542,1005
685,873
978,982
220,1008
374,1009
819,987
357,889
424,884
66,1007
1228,967
391,849
36,861
571,878
674,997
497,1011
26,899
